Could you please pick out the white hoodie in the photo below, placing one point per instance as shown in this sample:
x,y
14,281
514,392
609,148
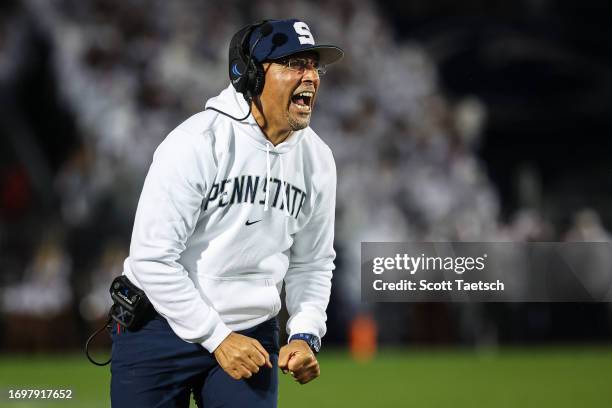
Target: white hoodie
x,y
212,244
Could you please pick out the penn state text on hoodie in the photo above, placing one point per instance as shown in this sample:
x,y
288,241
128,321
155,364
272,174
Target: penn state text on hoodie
x,y
225,217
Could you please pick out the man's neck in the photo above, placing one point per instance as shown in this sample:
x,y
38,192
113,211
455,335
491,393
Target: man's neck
x,y
275,134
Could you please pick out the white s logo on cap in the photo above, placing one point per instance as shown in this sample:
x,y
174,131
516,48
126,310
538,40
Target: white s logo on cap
x,y
303,32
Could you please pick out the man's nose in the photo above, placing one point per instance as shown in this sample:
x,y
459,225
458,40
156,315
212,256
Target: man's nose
x,y
310,74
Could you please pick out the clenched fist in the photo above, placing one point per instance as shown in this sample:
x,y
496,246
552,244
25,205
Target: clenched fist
x,y
241,356
298,359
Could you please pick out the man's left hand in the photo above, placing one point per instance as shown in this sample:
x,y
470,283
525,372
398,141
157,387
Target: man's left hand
x,y
298,359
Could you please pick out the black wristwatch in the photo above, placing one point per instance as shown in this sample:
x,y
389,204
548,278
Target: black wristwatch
x,y
314,342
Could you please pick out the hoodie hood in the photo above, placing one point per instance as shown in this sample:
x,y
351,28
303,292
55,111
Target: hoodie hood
x,y
233,103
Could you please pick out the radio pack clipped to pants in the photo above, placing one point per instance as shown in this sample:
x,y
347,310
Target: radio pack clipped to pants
x,y
131,309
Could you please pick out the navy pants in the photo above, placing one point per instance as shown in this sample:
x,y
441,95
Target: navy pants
x,y
153,367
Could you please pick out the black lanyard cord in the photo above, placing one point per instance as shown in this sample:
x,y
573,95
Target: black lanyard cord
x,y
106,325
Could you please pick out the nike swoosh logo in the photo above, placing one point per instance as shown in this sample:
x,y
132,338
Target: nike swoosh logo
x,y
247,223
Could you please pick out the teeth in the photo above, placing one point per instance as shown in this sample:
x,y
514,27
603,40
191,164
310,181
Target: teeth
x,y
306,106
302,107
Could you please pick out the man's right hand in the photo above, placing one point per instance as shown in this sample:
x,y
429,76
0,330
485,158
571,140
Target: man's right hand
x,y
241,356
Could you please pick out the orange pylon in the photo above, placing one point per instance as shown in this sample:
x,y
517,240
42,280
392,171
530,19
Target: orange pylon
x,y
363,337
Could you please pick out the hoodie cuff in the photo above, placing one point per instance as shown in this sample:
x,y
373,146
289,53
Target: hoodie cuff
x,y
220,332
304,324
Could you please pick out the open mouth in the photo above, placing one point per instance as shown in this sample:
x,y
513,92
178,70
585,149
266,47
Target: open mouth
x,y
303,100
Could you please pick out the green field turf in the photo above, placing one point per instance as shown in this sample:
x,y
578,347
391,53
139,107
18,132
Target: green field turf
x,y
569,377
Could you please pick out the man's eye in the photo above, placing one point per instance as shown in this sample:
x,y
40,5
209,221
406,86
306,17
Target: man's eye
x,y
302,64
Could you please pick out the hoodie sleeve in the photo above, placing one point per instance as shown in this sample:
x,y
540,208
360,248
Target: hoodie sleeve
x,y
308,279
167,213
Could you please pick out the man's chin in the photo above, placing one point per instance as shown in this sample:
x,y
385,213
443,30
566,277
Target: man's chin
x,y
298,123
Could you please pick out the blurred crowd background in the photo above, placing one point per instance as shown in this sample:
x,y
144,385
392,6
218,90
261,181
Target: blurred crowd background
x,y
470,121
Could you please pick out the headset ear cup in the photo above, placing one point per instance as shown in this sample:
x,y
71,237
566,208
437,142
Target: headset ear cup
x,y
240,82
246,75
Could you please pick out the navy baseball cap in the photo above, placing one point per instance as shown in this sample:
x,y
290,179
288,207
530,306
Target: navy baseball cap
x,y
290,37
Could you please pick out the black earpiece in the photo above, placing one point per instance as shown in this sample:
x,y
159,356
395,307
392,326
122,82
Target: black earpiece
x,y
246,74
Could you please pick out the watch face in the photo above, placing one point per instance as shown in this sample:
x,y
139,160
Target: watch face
x,y
315,344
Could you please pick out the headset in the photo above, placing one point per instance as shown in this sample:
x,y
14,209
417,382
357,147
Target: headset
x,y
246,74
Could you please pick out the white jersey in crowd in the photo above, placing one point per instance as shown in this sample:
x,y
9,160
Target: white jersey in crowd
x,y
225,217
